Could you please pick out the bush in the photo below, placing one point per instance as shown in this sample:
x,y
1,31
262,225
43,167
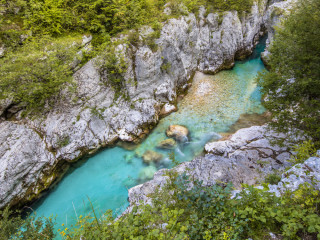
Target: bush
x,y
37,73
303,151
227,5
12,226
113,66
273,178
207,212
292,86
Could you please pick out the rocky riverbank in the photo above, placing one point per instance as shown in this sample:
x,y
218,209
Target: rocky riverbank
x,y
35,152
246,157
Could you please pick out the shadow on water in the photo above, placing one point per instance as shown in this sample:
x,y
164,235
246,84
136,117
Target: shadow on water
x,y
215,105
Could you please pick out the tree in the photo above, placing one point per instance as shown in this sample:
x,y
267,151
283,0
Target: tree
x,y
292,86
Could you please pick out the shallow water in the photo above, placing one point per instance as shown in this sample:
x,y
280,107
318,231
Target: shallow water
x,y
213,105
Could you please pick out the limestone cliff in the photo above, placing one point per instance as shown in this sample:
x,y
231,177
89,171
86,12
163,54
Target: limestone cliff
x,y
35,152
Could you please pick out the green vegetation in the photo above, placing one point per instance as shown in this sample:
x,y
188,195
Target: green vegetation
x,y
209,213
37,73
273,178
292,86
12,226
39,50
112,66
303,151
63,141
227,5
166,67
200,212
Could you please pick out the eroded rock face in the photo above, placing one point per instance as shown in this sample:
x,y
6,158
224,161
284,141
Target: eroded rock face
x,y
307,172
25,161
302,173
91,118
245,158
2,51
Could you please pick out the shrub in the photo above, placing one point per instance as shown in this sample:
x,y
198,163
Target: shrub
x,y
180,211
273,178
303,151
12,226
292,86
36,73
113,66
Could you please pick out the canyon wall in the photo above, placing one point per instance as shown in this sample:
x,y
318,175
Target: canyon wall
x,y
35,152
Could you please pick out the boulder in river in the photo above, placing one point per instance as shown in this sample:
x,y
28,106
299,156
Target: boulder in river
x,y
168,144
151,157
180,133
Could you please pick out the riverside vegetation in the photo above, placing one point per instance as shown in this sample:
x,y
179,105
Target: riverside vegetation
x,y
201,212
179,212
292,96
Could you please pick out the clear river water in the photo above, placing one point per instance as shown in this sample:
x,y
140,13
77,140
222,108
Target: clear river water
x,y
211,108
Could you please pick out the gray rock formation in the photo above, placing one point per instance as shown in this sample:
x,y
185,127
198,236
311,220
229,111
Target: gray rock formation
x,y
91,118
245,158
307,172
2,51
302,173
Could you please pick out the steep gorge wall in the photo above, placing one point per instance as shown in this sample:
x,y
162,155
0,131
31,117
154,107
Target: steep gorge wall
x,y
35,152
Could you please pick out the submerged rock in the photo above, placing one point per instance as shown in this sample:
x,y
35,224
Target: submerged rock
x,y
168,144
151,157
180,133
129,157
147,173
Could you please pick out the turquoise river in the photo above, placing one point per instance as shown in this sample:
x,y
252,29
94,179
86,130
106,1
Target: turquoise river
x,y
212,107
